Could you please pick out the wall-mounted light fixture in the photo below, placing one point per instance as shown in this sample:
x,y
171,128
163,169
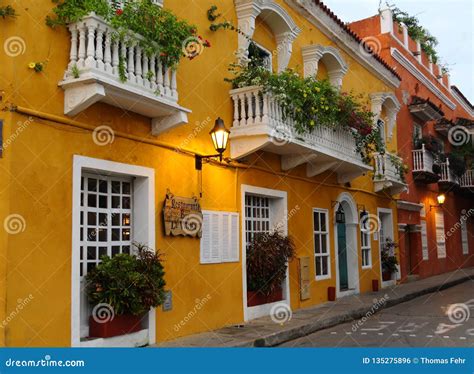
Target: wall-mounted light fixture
x,y
220,138
441,199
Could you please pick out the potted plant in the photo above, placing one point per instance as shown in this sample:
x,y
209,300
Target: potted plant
x,y
122,290
388,259
267,259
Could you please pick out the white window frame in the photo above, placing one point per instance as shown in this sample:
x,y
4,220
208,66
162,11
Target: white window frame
x,y
326,255
464,235
368,247
440,235
424,241
144,232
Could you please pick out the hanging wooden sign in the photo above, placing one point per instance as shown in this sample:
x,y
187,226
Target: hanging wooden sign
x,y
182,216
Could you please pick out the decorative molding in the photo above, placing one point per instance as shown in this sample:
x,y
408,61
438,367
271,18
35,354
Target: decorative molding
x,y
332,59
408,205
408,65
392,107
462,102
277,18
311,11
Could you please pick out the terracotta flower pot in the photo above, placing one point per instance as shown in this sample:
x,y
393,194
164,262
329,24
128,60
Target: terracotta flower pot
x,y
255,298
386,276
331,293
375,285
119,325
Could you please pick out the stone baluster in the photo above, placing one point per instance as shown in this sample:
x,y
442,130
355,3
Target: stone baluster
x,y
82,46
243,114
73,51
159,77
167,82
249,96
131,63
174,84
90,59
115,58
99,49
257,107
145,70
235,99
108,53
140,73
153,70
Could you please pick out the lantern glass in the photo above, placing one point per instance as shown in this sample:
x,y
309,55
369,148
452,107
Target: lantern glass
x,y
220,136
340,216
441,198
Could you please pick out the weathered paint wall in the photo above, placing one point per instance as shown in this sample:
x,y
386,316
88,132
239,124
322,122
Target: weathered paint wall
x,y
39,184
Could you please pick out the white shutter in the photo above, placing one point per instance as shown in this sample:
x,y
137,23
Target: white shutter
x,y
440,235
424,241
220,237
465,243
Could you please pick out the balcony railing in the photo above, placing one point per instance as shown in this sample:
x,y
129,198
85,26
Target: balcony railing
x,y
423,163
259,123
93,75
467,180
386,175
447,175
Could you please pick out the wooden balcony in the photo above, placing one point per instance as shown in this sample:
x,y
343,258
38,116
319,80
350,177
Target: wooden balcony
x,y
259,124
92,75
423,162
386,176
448,179
466,182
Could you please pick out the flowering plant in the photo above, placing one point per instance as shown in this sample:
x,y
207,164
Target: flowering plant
x,y
310,103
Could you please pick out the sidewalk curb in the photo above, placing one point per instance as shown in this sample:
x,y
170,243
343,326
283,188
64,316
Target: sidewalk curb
x,y
313,326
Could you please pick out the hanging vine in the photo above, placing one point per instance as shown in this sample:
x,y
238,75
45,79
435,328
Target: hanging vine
x,y
7,11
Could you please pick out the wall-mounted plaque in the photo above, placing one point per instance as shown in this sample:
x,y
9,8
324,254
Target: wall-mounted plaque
x,y
182,216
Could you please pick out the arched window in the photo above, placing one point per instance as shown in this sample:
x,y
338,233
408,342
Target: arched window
x,y
316,55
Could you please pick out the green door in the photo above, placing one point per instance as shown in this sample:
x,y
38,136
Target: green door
x,y
342,256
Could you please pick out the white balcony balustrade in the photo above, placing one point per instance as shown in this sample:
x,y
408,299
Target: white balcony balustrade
x,y
93,75
386,175
447,175
467,180
259,124
423,163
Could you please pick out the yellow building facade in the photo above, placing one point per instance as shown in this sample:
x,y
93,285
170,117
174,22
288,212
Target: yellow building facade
x,y
62,138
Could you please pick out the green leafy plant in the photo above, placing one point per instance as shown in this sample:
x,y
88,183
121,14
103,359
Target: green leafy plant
x,y
432,144
400,166
388,259
310,103
161,32
7,11
75,71
457,164
130,284
417,32
267,258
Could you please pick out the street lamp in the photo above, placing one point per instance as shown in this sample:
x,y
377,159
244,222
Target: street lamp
x,y
220,138
441,198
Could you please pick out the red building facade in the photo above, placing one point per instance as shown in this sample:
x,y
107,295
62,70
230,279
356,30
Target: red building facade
x,y
434,123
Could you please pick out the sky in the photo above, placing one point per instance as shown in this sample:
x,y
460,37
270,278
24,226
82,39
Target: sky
x,y
450,21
